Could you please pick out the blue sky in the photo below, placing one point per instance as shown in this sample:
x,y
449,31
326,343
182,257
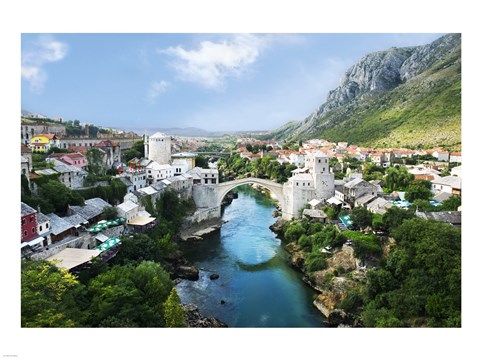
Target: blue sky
x,y
216,82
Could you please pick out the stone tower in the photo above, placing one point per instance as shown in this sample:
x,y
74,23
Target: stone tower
x,y
158,147
319,166
314,181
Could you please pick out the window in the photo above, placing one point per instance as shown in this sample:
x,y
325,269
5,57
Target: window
x,y
46,225
25,233
23,221
40,228
214,181
297,183
323,169
31,218
34,230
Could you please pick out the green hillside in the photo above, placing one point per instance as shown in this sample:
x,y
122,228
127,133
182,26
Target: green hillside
x,y
424,112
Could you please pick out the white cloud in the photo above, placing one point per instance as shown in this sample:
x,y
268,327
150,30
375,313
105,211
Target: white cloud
x,y
36,55
156,89
211,63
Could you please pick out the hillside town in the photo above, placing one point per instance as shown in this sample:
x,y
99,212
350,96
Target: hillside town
x,y
83,232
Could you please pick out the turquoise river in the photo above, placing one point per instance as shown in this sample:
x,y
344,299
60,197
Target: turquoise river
x,y
257,283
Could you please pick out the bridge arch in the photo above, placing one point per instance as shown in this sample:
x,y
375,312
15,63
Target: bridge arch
x,y
275,188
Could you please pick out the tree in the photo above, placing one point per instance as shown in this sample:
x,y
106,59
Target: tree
x,y
451,204
361,217
130,294
174,313
110,212
395,216
60,196
95,161
419,192
398,178
201,161
49,296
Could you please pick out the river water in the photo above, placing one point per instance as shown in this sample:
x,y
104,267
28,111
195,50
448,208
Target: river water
x,y
257,283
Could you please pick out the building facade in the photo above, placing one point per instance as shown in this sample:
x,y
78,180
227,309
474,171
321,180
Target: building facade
x,y
158,148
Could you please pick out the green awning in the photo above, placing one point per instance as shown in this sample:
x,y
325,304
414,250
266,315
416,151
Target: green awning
x,y
108,244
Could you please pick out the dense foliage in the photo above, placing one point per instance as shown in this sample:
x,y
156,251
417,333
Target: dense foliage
x,y
136,151
421,281
264,168
53,196
112,193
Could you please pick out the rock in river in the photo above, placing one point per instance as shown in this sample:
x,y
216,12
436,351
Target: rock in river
x,y
187,272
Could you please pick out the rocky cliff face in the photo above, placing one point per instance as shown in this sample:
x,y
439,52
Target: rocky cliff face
x,y
373,76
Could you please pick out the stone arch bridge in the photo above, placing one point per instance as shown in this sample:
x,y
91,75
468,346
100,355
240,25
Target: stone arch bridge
x,y
208,198
225,187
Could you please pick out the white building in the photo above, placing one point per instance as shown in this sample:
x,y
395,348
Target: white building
x,y
128,209
158,147
157,172
456,157
312,182
440,155
204,176
448,184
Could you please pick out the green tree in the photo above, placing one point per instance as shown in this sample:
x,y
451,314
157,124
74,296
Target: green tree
x,y
109,212
294,231
451,204
201,161
361,217
49,296
419,192
130,294
174,313
398,178
96,164
60,196
395,216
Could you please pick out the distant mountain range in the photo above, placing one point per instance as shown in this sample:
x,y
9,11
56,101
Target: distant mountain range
x,y
398,97
196,132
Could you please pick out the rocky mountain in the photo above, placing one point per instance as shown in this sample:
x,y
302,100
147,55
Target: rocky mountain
x,y
401,96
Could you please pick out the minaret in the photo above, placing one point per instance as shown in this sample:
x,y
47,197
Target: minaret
x,y
145,143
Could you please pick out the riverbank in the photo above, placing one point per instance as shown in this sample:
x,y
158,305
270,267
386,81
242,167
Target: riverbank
x,y
342,274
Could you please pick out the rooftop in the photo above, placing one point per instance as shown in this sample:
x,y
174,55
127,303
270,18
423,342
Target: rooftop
x,y
27,210
58,225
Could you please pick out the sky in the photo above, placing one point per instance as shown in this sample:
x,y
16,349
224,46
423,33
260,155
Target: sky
x,y
216,82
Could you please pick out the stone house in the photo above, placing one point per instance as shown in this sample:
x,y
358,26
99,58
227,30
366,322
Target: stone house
x,y
440,155
60,229
456,157
71,176
356,188
448,184
156,172
91,211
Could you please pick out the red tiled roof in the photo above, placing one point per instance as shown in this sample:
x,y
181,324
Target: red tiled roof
x,y
456,154
424,177
75,155
25,149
